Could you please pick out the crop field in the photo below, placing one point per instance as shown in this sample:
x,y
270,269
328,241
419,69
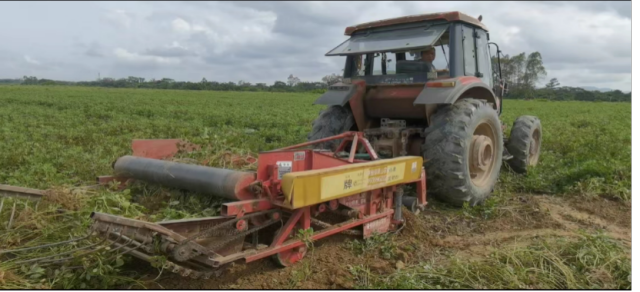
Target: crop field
x,y
566,225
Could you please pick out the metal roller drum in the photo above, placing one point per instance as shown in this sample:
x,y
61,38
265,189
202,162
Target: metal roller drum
x,y
225,183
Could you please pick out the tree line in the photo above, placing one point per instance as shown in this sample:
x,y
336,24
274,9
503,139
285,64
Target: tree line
x,y
293,84
522,72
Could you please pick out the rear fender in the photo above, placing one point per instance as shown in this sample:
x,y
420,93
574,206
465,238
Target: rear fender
x,y
448,91
337,94
349,95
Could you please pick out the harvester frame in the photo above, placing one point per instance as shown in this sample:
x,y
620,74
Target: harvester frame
x,y
360,194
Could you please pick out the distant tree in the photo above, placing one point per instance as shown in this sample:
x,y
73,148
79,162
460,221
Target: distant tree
x,y
332,79
29,80
553,83
534,70
292,80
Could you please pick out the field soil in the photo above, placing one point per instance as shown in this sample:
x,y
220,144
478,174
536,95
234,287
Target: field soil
x,y
434,236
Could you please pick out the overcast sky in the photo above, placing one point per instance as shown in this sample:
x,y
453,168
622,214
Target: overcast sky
x,y
582,43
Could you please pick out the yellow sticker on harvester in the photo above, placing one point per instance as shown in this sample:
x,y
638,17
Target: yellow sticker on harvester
x,y
360,180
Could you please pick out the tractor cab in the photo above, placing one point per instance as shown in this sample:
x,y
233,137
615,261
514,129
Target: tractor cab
x,y
397,51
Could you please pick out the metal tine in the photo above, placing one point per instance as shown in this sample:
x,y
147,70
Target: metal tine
x,y
13,212
45,245
66,252
115,243
119,234
74,250
1,205
129,240
50,262
122,245
111,251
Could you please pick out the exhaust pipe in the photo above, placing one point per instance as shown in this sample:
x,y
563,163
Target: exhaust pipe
x,y
224,183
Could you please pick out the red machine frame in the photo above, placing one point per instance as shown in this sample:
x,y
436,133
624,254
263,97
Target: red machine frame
x,y
375,210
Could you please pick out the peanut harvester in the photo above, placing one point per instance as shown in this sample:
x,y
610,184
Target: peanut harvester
x,y
294,189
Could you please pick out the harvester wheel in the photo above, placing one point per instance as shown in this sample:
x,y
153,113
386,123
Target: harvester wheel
x,y
524,143
334,120
463,152
289,257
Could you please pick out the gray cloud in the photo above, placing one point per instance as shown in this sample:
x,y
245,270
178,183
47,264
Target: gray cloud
x,y
622,8
582,43
95,50
172,50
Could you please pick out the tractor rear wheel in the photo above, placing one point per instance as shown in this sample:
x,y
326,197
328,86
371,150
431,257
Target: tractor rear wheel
x,y
332,121
524,143
463,152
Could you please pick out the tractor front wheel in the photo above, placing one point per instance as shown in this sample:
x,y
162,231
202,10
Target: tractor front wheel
x,y
463,152
524,143
334,120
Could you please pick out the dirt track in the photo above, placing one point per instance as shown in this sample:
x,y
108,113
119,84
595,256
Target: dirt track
x,y
434,234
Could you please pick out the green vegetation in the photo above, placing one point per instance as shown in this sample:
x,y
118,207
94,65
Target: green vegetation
x,y
62,137
586,149
592,262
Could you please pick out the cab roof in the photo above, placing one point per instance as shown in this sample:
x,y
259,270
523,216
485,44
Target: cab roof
x,y
448,16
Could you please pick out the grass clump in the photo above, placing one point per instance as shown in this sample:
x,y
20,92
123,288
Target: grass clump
x,y
592,262
586,149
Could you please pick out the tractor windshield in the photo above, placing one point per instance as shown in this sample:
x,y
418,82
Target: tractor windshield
x,y
413,55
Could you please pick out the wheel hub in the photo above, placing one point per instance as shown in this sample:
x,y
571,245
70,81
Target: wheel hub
x,y
482,156
534,148
482,152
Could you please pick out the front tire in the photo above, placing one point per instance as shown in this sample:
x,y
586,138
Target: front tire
x,y
463,152
524,143
334,120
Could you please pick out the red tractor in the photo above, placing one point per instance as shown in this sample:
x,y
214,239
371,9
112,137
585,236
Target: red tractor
x,y
393,91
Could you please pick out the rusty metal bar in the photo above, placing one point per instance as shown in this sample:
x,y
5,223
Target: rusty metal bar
x,y
293,243
340,136
20,192
122,221
354,147
328,225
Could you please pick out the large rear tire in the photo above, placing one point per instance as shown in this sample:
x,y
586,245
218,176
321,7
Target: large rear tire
x,y
332,121
463,152
524,143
